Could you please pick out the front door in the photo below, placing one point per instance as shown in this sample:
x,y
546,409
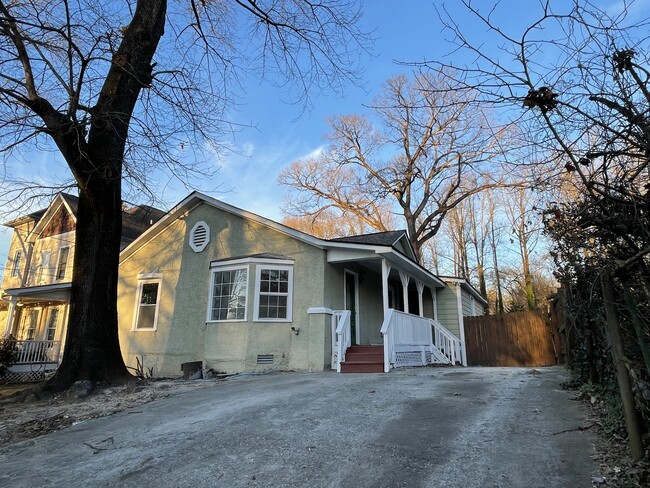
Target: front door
x,y
351,298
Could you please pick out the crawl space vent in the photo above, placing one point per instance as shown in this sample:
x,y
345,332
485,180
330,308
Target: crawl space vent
x,y
265,359
199,236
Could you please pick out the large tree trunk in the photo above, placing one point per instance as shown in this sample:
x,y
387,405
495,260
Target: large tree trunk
x,y
92,350
92,344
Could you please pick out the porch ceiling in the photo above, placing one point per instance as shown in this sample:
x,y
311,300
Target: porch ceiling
x,y
371,259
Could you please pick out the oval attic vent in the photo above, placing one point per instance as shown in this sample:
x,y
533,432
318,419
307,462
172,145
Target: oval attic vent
x,y
199,236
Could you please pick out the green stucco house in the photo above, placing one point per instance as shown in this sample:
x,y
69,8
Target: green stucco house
x,y
214,283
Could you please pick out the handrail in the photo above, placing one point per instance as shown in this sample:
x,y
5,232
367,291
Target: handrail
x,y
446,342
36,352
389,340
411,340
343,335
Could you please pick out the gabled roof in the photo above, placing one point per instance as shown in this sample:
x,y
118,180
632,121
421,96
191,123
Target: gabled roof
x,y
389,238
31,217
381,245
138,219
135,220
69,202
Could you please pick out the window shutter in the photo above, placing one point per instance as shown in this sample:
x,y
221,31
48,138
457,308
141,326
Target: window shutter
x,y
199,236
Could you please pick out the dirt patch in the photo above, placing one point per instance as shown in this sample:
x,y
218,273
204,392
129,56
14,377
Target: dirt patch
x,y
24,416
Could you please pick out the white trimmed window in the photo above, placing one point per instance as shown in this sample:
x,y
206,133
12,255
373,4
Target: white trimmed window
x,y
273,293
42,274
18,256
62,263
228,294
52,321
147,302
199,236
31,324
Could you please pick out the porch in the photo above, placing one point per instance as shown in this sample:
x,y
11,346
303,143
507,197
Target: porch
x,y
408,340
33,359
389,317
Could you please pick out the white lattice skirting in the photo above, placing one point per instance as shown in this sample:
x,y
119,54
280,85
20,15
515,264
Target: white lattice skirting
x,y
417,356
25,376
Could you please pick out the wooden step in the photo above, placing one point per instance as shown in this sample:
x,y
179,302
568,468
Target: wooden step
x,y
363,359
365,349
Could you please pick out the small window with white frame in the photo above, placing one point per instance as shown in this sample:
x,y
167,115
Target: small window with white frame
x,y
31,324
273,293
62,263
18,257
228,294
147,302
43,273
52,322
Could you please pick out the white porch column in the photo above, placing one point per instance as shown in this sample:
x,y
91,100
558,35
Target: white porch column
x,y
420,287
404,278
11,313
385,271
435,303
461,324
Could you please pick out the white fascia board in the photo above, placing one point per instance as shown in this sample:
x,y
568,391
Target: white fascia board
x,y
67,206
185,206
296,234
408,243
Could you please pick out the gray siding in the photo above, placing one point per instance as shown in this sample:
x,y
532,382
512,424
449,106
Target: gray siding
x,y
448,309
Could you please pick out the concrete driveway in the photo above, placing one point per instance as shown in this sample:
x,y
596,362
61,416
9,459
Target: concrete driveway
x,y
414,427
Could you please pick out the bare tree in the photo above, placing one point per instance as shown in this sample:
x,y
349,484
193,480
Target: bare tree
x,y
425,149
82,74
355,210
520,206
327,224
459,235
494,242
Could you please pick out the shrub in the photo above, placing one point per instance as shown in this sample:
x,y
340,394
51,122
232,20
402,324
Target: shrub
x,y
8,354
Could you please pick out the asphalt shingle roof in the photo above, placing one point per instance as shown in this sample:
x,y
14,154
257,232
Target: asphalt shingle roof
x,y
378,238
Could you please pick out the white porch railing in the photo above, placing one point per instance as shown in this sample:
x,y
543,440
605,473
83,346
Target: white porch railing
x,y
447,345
36,352
410,340
343,336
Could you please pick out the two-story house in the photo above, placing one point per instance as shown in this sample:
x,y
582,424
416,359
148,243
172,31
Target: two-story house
x,y
37,278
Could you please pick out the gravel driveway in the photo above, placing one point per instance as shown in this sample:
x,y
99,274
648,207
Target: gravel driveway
x,y
413,427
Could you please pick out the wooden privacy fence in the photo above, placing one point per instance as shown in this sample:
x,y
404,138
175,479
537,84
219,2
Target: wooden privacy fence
x,y
513,339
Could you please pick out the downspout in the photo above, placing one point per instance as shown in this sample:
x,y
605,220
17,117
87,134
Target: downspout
x,y
461,324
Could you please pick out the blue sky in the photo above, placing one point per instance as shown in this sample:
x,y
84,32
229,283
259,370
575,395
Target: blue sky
x,y
404,31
